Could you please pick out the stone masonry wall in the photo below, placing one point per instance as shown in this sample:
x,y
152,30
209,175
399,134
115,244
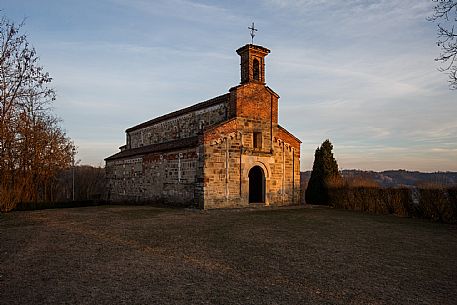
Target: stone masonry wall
x,y
285,188
221,168
229,155
167,177
183,126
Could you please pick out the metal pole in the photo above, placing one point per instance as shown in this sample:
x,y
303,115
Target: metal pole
x,y
73,174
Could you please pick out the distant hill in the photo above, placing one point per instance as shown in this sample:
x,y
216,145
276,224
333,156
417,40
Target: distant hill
x,y
396,178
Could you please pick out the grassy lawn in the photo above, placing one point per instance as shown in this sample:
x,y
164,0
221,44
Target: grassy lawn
x,y
147,255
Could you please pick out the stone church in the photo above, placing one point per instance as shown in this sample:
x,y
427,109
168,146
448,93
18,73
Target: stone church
x,y
228,151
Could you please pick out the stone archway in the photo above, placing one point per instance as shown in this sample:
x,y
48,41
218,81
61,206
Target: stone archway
x,y
256,185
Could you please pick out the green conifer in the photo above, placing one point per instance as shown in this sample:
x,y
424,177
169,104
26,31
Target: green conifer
x,y
325,169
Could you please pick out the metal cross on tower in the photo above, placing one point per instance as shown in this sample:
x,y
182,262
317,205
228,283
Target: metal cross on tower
x,y
253,30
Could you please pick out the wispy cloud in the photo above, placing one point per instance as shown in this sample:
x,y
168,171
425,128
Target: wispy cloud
x,y
193,11
358,72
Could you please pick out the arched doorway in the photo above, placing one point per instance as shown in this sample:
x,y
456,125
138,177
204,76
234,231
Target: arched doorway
x,y
256,185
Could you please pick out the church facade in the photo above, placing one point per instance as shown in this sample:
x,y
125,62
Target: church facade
x,y
228,151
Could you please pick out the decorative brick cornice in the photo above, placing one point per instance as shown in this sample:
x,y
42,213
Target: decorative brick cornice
x,y
252,47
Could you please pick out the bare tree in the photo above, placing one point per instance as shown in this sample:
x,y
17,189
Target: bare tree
x,y
33,147
445,14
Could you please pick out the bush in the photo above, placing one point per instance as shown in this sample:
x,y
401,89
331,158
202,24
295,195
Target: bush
x,y
437,204
371,199
433,202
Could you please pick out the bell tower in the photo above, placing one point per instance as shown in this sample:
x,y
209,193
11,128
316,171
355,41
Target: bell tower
x,y
252,63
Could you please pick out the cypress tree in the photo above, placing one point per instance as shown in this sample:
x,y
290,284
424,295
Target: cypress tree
x,y
325,168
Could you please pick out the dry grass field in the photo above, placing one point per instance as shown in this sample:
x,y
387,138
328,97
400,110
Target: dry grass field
x,y
148,255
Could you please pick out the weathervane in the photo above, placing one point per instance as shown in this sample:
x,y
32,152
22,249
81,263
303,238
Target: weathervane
x,y
253,30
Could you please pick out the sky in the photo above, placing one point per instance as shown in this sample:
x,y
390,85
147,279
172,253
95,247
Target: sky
x,y
358,72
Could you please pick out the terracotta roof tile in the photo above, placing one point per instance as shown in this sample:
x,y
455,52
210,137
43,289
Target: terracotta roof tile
x,y
172,145
214,101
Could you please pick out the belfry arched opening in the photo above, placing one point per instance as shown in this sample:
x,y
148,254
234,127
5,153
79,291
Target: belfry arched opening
x,y
256,185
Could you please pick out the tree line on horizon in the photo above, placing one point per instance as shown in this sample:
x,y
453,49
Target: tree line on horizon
x,y
393,178
81,185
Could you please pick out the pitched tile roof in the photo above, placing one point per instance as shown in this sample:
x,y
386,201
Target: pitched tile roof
x,y
214,101
172,145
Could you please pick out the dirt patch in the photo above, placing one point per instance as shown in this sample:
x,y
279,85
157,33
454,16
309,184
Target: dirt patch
x,y
147,255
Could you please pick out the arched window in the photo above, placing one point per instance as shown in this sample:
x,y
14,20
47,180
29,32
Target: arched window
x,y
256,69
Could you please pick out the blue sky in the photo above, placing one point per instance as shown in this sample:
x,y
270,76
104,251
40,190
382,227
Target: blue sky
x,y
358,72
